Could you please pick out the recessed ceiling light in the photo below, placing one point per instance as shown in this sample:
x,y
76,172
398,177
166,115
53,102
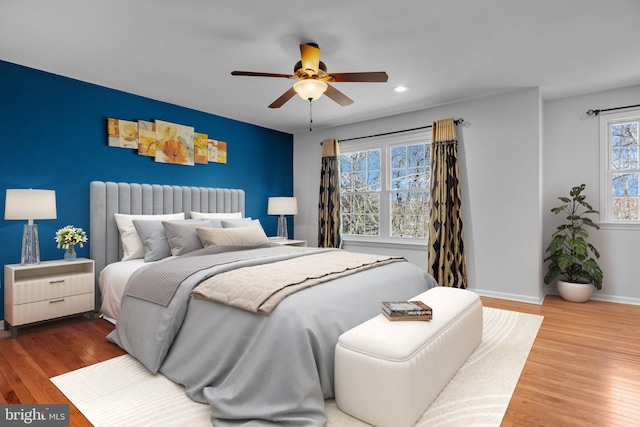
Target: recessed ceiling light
x,y
400,88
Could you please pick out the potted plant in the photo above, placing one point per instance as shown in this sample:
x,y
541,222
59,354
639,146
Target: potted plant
x,y
571,257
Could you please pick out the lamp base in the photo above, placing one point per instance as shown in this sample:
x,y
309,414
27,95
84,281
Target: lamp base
x,y
282,227
30,245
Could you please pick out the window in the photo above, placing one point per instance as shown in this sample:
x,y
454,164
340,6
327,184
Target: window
x,y
620,168
360,192
385,187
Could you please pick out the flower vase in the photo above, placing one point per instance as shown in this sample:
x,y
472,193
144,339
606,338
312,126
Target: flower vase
x,y
70,253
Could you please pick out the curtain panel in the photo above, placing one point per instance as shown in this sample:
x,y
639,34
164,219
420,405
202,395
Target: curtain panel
x,y
446,247
329,204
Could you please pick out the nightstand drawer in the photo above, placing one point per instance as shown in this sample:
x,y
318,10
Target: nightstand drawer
x,y
43,289
44,310
48,290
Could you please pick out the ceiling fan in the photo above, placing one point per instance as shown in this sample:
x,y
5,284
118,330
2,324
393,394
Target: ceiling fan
x,y
313,79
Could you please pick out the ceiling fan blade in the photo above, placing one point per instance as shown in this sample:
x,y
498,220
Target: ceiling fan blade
x,y
338,96
284,98
255,74
372,77
310,55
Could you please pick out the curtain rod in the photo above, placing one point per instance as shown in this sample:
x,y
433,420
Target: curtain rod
x,y
596,112
457,122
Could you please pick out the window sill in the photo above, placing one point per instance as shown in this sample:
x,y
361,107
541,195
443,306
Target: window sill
x,y
620,226
417,244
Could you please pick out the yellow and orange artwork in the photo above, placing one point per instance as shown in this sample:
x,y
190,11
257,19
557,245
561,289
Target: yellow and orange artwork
x,y
147,141
174,143
122,133
200,150
217,151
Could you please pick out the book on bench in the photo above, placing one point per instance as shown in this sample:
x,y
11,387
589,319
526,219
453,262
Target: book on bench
x,y
406,310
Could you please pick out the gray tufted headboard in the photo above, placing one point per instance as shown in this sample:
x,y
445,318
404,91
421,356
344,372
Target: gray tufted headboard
x,y
108,198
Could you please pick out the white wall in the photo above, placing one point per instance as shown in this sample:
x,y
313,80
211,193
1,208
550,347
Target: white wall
x,y
572,157
500,161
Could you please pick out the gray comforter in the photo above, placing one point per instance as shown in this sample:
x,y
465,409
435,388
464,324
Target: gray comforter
x,y
254,369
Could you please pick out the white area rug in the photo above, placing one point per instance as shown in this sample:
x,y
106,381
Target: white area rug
x,y
121,391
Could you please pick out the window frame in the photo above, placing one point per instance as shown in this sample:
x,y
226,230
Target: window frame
x,y
606,173
385,144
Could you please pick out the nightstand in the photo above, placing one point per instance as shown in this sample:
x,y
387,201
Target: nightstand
x,y
290,242
47,291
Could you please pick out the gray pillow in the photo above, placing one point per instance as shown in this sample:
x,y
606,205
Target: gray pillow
x,y
154,239
244,222
182,236
217,222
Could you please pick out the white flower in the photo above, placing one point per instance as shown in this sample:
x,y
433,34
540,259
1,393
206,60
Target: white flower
x,y
70,236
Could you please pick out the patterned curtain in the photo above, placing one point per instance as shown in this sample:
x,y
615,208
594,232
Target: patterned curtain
x,y
446,249
329,205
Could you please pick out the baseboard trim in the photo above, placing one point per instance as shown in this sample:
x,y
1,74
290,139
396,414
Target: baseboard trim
x,y
510,297
606,298
552,291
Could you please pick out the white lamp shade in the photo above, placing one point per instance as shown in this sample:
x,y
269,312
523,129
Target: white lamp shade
x,y
282,206
30,204
310,88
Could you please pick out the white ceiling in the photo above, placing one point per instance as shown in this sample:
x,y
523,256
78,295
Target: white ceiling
x,y
183,52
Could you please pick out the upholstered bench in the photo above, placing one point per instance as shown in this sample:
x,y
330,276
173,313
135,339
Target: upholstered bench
x,y
387,373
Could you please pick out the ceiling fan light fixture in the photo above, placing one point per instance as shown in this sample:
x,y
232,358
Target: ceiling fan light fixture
x,y
310,89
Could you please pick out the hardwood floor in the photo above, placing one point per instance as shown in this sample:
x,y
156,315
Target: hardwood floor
x,y
583,369
47,350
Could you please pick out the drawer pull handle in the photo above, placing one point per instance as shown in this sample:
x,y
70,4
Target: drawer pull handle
x,y
56,300
56,281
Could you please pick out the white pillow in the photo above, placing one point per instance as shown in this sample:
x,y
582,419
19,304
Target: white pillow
x,y
132,247
243,236
216,215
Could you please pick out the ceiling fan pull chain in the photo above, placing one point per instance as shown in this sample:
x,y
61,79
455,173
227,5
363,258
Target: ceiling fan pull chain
x,y
310,115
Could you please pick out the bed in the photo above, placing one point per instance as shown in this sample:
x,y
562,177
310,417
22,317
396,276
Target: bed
x,y
189,316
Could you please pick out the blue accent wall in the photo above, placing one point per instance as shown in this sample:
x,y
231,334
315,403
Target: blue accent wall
x,y
54,136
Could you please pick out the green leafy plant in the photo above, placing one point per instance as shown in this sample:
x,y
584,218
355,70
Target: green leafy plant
x,y
571,257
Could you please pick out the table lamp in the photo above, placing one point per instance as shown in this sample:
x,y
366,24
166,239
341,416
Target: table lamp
x,y
282,206
30,204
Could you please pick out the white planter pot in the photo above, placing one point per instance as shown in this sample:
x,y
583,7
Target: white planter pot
x,y
575,292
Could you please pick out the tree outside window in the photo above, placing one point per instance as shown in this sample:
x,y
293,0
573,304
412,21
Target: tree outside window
x,y
621,168
624,164
385,189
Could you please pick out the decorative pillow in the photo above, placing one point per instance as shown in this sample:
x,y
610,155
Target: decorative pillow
x,y
182,236
216,215
244,222
131,244
242,236
154,239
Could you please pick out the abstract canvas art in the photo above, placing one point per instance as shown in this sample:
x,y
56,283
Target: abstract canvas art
x,y
166,142
147,138
200,143
175,143
122,133
217,151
